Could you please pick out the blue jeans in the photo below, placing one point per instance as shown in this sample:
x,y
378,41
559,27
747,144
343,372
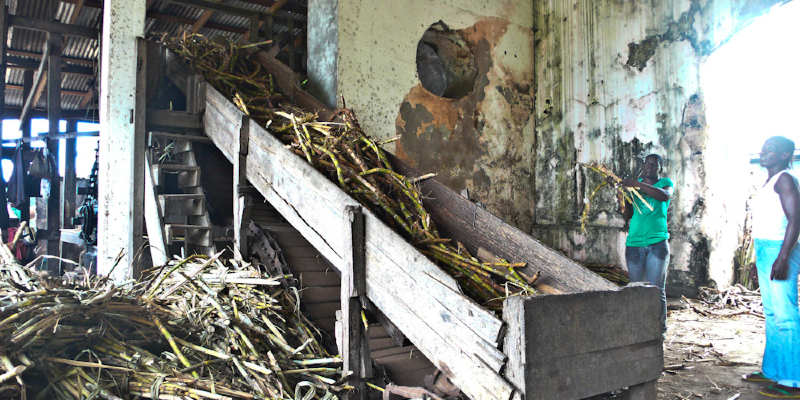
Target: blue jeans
x,y
649,264
782,351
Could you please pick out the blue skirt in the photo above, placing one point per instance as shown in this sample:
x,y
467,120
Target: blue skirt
x,y
782,352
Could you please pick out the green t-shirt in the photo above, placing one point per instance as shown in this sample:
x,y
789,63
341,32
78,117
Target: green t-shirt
x,y
649,227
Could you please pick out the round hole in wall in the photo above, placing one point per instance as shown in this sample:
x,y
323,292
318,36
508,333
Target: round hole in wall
x,y
445,64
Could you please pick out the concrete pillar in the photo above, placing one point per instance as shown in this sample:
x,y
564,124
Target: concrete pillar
x,y
120,146
323,47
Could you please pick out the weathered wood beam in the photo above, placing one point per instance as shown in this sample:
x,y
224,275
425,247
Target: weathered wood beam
x,y
65,135
189,21
76,12
203,19
54,214
173,119
3,57
355,342
22,22
270,3
87,98
15,62
69,194
89,115
242,202
36,91
272,9
63,59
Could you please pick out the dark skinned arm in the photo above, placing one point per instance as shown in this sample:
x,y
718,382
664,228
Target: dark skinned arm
x,y
786,187
660,194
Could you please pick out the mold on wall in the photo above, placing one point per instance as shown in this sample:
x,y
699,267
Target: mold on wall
x,y
482,141
616,81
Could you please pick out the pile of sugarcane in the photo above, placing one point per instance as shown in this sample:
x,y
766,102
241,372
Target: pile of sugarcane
x,y
195,328
610,272
345,154
624,193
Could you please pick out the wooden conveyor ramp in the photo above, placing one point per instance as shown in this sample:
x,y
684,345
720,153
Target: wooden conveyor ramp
x,y
456,334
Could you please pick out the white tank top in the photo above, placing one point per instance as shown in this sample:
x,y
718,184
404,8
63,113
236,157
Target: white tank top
x,y
769,220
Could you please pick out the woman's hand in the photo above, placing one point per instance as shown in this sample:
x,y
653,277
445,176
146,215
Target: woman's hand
x,y
629,182
780,268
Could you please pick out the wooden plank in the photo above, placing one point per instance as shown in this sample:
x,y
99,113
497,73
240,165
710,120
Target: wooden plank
x,y
27,65
153,218
53,119
449,330
70,179
76,11
81,61
583,339
173,120
272,9
288,85
318,279
23,22
3,57
36,92
242,204
457,217
139,118
355,344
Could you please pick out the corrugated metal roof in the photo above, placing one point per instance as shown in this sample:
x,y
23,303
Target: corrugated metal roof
x,y
163,17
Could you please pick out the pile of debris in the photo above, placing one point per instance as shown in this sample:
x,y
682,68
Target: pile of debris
x,y
734,300
195,328
344,153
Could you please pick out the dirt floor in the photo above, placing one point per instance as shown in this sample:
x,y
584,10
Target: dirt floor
x,y
710,345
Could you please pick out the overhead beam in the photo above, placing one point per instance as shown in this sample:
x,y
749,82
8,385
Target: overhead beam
x,y
189,21
270,3
22,22
89,115
39,56
76,12
263,3
65,135
87,98
25,64
272,10
36,92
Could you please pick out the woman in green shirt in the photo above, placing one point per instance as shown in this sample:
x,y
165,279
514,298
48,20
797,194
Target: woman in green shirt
x,y
647,249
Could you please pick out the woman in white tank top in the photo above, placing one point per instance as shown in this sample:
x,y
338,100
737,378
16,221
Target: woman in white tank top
x,y
776,227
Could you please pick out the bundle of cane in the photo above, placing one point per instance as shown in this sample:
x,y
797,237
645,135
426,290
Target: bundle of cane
x,y
343,152
624,193
195,328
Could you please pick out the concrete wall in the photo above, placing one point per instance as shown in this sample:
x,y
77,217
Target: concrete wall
x,y
616,81
611,82
482,142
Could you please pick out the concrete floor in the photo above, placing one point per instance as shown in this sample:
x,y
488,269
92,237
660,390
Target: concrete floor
x,y
715,352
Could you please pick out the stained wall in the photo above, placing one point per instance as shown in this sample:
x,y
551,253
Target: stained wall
x,y
615,81
559,82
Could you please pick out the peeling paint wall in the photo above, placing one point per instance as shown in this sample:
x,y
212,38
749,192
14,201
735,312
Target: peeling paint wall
x,y
615,81
484,141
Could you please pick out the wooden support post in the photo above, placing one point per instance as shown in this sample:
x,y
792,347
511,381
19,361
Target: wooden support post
x,y
70,179
242,201
121,144
139,128
69,192
355,343
4,220
53,119
25,127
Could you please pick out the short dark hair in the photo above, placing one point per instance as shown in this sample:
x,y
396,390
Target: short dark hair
x,y
658,157
786,145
